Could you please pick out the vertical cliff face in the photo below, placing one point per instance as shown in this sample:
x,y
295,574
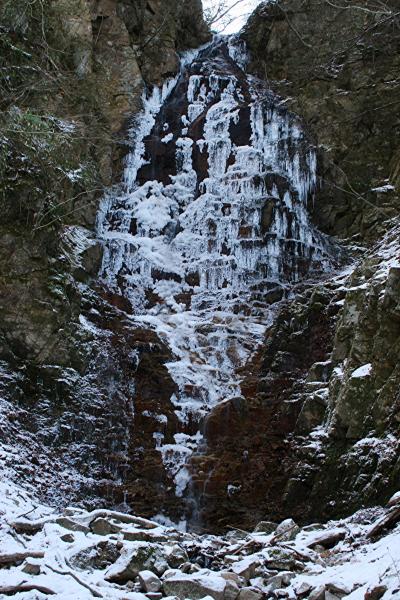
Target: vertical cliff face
x,y
336,64
74,75
322,394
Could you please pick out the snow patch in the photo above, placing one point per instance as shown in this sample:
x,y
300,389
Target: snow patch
x,y
361,372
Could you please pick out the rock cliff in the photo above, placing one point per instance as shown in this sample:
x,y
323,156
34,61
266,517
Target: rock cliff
x,y
317,432
73,75
336,64
259,367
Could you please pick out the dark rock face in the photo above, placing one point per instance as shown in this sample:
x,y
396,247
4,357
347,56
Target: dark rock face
x,y
321,406
250,439
317,432
337,67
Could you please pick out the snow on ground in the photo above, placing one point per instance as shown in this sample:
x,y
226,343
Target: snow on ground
x,y
76,555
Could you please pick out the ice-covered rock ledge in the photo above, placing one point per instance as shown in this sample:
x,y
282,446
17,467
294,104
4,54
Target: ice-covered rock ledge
x,y
107,554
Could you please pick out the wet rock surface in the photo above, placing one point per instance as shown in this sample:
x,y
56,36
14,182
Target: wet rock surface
x,y
299,371
208,231
316,410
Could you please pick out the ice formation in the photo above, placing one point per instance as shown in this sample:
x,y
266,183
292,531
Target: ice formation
x,y
210,227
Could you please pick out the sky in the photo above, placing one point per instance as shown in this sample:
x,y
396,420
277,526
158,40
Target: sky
x,y
239,12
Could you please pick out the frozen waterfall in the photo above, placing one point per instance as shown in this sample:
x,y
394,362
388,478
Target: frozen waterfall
x,y
210,228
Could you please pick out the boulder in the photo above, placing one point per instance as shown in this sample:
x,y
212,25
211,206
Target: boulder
x,y
338,588
302,590
318,593
246,567
228,576
140,535
250,593
176,556
31,567
280,580
281,559
189,568
265,527
103,526
328,539
160,564
171,573
149,581
231,590
67,523
131,562
375,592
195,586
394,500
97,556
287,530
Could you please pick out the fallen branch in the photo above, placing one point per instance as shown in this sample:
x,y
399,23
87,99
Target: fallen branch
x,y
15,535
247,545
10,590
29,527
27,513
111,514
18,557
94,592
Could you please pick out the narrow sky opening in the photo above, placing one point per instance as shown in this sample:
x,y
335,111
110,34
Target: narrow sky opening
x,y
236,15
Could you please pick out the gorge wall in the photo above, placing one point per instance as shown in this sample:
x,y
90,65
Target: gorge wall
x,y
231,362
320,408
336,65
73,74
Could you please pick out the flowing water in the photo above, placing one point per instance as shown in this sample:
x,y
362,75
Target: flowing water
x,y
210,228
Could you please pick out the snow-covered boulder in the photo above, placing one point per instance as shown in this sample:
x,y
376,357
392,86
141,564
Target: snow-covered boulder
x,y
134,559
195,586
287,530
250,593
265,527
394,500
98,555
149,581
246,567
175,556
231,590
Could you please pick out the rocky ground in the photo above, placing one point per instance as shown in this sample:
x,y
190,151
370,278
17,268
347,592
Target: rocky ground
x,y
77,554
